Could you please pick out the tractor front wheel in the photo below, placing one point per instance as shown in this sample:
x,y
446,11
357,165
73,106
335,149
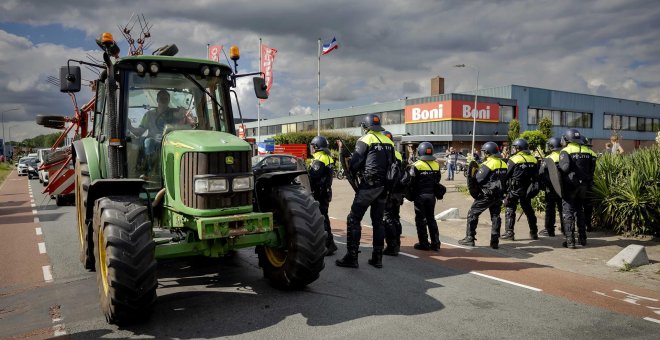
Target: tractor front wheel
x,y
300,260
85,232
125,259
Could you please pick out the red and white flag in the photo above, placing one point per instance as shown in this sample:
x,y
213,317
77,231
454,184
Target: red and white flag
x,y
214,52
267,60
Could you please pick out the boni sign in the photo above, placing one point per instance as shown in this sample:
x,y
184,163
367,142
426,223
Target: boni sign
x,y
451,110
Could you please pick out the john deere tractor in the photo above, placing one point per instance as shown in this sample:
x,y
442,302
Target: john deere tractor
x,y
162,175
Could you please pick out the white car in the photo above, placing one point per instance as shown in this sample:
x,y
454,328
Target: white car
x,y
22,166
43,174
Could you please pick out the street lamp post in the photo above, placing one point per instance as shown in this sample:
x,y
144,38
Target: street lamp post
x,y
3,129
475,110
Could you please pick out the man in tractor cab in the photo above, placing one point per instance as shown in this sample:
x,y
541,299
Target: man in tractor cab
x,y
154,122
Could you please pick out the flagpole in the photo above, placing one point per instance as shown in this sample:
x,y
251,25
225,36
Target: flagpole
x,y
258,101
318,108
208,46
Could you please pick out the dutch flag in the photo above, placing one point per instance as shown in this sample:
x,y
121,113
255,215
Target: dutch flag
x,y
329,47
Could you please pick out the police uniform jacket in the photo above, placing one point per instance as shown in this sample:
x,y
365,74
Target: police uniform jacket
x,y
543,171
522,170
577,164
425,174
491,176
320,172
373,154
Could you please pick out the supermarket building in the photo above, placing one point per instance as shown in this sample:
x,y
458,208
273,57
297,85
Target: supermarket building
x,y
445,119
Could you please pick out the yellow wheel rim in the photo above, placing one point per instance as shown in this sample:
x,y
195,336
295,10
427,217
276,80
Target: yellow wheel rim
x,y
275,256
103,270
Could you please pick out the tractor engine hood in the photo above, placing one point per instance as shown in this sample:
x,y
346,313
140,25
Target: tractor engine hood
x,y
203,141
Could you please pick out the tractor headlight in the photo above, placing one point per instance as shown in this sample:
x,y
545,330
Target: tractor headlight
x,y
242,184
210,185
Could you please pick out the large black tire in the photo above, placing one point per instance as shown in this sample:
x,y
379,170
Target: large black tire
x,y
300,260
53,122
125,259
85,232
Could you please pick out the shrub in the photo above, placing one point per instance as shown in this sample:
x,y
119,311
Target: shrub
x,y
514,130
535,138
626,192
545,126
307,136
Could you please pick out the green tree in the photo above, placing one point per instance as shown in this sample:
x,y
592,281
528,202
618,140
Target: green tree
x,y
545,126
535,138
514,130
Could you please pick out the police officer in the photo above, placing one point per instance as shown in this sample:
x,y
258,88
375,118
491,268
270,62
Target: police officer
x,y
521,174
392,219
320,177
490,179
552,199
577,164
425,175
373,155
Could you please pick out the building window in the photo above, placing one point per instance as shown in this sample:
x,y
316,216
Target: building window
x,y
327,124
308,125
506,114
640,124
607,122
556,118
656,124
545,114
633,123
586,120
391,117
274,129
263,130
339,122
532,117
625,123
649,124
354,121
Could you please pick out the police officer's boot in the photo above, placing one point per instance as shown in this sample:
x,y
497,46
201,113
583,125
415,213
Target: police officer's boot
x,y
494,241
467,241
330,248
435,241
582,239
570,240
392,248
377,257
349,260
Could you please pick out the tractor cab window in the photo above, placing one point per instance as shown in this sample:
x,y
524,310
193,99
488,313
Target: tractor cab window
x,y
157,105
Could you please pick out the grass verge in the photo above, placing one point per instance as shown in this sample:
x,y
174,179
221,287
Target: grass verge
x,y
5,169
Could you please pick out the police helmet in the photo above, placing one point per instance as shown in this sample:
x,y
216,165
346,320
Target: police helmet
x,y
586,141
425,151
572,136
371,122
389,135
520,144
319,143
553,144
490,148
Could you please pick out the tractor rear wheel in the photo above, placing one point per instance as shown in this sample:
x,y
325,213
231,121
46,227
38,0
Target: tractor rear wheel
x,y
85,232
300,260
125,259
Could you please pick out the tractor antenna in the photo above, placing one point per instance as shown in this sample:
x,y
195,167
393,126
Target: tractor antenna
x,y
136,46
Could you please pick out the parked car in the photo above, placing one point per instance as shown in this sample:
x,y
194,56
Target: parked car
x,y
33,166
43,174
22,166
262,164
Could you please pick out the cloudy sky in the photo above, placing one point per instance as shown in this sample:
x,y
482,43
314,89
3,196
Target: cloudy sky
x,y
388,49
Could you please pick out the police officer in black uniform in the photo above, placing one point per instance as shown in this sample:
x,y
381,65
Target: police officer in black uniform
x,y
552,199
373,155
425,175
521,174
391,217
321,172
577,164
490,179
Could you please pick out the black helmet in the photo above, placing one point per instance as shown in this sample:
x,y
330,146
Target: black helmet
x,y
572,136
490,148
586,141
553,144
371,122
520,144
389,135
425,151
319,143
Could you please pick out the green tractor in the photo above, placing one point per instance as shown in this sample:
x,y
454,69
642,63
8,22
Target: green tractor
x,y
162,175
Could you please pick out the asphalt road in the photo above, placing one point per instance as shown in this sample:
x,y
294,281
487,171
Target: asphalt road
x,y
413,296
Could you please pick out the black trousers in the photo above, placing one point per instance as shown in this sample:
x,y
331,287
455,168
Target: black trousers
x,y
552,204
573,210
324,205
494,206
425,217
392,221
510,215
365,198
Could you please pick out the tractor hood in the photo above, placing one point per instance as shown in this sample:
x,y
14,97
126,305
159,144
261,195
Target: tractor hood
x,y
204,141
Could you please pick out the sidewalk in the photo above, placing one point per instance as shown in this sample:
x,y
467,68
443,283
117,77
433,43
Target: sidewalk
x,y
590,260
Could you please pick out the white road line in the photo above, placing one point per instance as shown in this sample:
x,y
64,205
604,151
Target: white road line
x,y
507,281
33,205
42,247
34,212
409,255
457,246
652,319
32,201
332,218
38,230
340,242
48,276
36,220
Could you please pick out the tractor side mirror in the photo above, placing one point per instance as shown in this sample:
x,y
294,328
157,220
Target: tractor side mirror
x,y
70,79
260,87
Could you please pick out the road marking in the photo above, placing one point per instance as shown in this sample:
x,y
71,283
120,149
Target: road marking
x,y
33,205
36,220
38,230
652,319
42,248
32,201
332,218
409,255
457,246
48,276
340,242
34,212
507,281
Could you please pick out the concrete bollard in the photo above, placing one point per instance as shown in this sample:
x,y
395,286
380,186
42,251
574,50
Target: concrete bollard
x,y
634,255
